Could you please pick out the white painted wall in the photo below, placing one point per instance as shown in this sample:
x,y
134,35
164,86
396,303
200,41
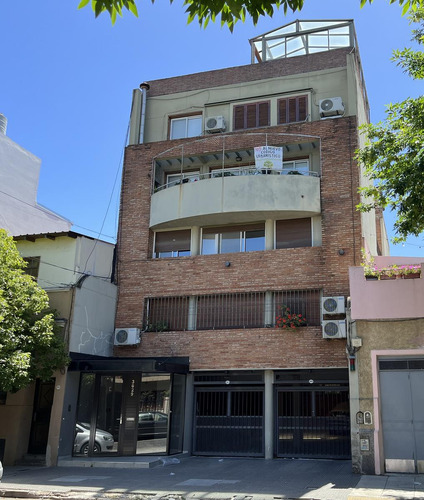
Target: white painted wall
x,y
19,212
93,317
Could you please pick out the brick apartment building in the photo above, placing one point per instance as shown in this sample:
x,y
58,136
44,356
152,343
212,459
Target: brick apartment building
x,y
213,244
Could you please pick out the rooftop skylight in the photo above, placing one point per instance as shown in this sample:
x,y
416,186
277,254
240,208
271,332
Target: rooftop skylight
x,y
301,38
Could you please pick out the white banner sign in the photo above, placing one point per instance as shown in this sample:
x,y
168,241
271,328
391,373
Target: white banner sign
x,y
269,157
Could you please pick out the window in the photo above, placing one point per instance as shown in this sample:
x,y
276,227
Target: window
x,y
295,167
251,115
293,109
293,233
172,243
176,179
232,239
33,264
187,126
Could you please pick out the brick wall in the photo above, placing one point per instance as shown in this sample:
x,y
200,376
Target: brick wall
x,y
302,268
250,72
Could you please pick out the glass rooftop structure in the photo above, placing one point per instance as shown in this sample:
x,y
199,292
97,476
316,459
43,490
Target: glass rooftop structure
x,y
301,38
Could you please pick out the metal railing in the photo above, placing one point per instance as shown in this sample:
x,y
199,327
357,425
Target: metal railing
x,y
233,172
229,310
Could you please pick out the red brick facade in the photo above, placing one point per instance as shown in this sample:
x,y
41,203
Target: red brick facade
x,y
320,267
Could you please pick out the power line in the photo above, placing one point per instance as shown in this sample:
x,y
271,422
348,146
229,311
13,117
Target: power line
x,y
111,194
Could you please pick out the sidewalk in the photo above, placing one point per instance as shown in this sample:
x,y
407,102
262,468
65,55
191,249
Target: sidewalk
x,y
194,478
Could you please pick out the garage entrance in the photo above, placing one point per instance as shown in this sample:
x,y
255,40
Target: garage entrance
x,y
229,414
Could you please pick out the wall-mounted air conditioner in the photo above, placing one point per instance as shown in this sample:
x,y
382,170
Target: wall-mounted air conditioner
x,y
215,124
332,106
334,329
333,305
127,336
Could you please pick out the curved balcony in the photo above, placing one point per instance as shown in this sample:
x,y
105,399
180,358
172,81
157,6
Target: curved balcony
x,y
224,199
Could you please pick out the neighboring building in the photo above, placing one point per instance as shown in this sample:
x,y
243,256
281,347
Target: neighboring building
x,y
213,243
387,370
19,172
75,270
38,422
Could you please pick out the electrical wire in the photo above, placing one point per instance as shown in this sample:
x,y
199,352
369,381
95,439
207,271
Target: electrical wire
x,y
111,194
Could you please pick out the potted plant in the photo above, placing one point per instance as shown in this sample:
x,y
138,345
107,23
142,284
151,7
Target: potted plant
x,y
288,320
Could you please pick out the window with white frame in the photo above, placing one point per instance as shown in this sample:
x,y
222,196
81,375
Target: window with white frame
x,y
181,178
232,239
185,126
295,167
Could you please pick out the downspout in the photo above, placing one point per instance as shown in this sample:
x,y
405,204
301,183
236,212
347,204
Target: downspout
x,y
144,87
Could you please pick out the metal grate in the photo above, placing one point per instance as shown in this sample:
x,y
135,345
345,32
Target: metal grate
x,y
313,423
229,422
226,311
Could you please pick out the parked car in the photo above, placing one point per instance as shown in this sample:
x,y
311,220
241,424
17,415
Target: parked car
x,y
1,471
152,424
103,441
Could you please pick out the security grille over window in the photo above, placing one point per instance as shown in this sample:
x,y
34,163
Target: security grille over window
x,y
228,311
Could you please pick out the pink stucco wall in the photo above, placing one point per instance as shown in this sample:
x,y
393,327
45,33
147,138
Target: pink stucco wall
x,y
386,299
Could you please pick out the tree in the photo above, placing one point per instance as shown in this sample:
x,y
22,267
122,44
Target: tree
x,y
393,156
231,11
29,346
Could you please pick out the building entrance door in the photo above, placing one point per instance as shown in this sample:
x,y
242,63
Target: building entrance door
x,y
43,401
402,414
125,414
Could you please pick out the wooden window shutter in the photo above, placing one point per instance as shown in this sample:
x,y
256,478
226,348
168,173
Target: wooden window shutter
x,y
238,118
251,116
293,109
282,111
303,108
263,114
293,233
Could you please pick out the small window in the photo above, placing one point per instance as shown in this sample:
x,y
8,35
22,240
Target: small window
x,y
187,126
232,239
293,109
33,265
293,233
251,115
176,179
299,167
172,244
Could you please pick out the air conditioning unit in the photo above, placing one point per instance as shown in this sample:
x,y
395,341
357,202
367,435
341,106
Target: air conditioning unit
x,y
333,305
215,124
127,336
334,329
332,106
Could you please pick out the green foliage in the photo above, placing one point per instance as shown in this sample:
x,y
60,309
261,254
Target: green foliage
x,y
393,156
29,347
230,11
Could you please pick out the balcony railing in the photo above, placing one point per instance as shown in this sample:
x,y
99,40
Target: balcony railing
x,y
231,172
229,311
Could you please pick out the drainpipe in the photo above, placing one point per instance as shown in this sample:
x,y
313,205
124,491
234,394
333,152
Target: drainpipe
x,y
144,87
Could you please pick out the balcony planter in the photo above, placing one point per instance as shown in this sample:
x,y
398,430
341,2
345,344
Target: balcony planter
x,y
411,276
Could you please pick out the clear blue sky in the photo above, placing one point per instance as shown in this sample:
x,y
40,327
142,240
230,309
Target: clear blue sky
x,y
66,81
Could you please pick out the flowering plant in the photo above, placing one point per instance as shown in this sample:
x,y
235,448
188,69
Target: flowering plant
x,y
288,320
371,269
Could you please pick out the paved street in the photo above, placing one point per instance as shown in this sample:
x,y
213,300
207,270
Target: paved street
x,y
194,478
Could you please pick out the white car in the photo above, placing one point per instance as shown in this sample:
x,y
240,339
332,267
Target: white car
x,y
103,441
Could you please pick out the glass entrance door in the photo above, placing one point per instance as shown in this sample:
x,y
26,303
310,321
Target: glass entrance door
x,y
154,413
129,414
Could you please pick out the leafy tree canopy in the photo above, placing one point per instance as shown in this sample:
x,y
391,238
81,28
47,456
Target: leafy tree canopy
x,y
393,156
29,347
230,11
